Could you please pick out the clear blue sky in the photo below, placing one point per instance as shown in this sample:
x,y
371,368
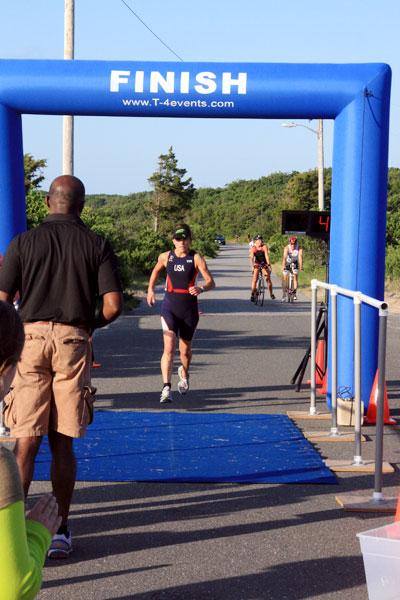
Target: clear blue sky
x,y
117,155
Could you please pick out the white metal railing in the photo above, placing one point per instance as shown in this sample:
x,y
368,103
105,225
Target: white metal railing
x,y
3,430
358,299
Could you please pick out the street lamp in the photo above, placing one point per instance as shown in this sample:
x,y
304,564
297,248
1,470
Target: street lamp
x,y
320,135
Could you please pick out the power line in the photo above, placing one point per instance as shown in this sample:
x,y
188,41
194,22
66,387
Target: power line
x,y
151,31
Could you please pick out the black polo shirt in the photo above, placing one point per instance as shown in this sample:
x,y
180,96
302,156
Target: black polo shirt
x,y
59,269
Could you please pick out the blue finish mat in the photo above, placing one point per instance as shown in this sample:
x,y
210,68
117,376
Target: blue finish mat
x,y
193,447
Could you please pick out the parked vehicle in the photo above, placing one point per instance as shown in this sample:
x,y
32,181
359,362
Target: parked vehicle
x,y
220,239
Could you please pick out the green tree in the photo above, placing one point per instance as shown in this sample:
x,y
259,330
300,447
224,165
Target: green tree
x,y
393,209
36,209
302,190
172,195
33,176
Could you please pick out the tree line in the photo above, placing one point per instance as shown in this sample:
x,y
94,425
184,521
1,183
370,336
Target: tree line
x,y
139,225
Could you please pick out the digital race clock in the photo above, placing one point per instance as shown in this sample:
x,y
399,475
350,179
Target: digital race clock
x,y
313,223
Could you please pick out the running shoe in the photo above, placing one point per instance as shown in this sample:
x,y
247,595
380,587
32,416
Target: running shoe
x,y
60,547
294,297
183,383
166,395
252,298
272,296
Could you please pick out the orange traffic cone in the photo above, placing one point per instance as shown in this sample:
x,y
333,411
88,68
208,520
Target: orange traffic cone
x,y
397,515
370,418
319,363
323,390
392,532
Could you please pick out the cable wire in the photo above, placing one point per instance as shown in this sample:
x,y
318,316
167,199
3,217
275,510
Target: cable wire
x,y
151,31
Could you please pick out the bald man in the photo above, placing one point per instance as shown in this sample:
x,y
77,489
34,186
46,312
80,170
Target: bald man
x,y
60,270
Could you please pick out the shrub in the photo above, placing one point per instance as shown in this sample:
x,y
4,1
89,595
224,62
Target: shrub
x,y
393,262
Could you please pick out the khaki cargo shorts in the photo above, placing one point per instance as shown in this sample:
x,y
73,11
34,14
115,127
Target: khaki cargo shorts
x,y
51,389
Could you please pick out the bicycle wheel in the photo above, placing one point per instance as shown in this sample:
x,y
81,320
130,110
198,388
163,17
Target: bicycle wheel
x,y
260,290
256,293
290,289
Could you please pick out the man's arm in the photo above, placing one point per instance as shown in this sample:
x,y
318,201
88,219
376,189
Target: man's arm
x,y
10,272
5,297
111,309
301,259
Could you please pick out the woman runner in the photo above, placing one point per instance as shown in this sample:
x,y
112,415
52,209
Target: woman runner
x,y
179,310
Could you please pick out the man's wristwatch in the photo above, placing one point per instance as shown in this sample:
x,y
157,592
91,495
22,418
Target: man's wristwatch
x,y
202,289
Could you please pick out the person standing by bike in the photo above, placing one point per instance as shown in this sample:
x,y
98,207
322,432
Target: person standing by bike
x,y
259,259
292,259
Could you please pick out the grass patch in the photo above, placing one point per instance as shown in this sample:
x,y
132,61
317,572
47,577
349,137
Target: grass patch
x,y
392,287
305,279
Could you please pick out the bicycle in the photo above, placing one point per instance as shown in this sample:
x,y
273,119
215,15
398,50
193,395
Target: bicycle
x,y
260,288
290,290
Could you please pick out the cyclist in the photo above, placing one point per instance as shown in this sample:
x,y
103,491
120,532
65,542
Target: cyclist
x,y
179,310
292,255
259,259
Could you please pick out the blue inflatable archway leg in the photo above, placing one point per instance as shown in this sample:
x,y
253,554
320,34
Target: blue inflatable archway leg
x,y
13,218
358,233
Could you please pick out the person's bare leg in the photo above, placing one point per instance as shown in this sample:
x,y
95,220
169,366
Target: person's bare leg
x,y
185,352
25,451
254,281
63,471
269,282
284,285
167,359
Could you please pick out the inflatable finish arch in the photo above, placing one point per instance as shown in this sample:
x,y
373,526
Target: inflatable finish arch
x,y
356,96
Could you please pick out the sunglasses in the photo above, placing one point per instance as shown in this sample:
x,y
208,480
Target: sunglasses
x,y
179,238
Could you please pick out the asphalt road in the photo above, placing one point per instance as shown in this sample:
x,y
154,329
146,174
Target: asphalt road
x,y
219,541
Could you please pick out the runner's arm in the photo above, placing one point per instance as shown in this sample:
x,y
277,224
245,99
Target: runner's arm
x,y
209,282
160,265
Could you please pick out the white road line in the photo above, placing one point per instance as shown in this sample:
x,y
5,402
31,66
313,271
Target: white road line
x,y
256,314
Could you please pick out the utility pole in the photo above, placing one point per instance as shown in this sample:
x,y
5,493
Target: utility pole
x,y
68,120
321,202
320,136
